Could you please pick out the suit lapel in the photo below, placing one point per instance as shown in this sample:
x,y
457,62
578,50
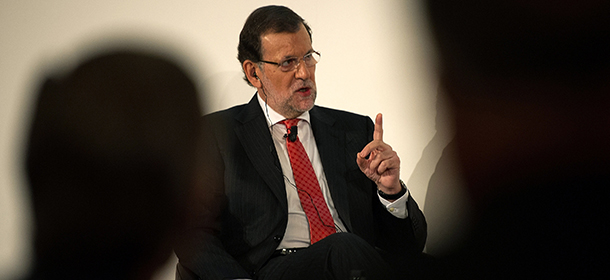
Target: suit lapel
x,y
331,143
254,135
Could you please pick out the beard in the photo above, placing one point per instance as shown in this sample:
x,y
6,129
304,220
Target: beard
x,y
302,98
299,99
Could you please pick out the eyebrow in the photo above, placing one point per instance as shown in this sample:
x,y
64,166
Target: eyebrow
x,y
294,56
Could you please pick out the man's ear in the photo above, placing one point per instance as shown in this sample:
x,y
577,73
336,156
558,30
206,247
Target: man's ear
x,y
250,69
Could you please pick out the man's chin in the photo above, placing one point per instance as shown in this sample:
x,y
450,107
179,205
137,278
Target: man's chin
x,y
307,105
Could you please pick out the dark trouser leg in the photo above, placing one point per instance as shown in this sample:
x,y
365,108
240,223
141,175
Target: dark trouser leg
x,y
337,256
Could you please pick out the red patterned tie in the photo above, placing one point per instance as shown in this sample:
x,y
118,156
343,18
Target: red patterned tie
x,y
321,223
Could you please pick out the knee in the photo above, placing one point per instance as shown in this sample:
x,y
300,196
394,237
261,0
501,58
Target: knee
x,y
349,255
346,242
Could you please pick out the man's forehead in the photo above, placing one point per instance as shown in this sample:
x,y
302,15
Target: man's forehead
x,y
286,44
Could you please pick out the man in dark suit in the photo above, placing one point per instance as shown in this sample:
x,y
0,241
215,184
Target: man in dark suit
x,y
254,225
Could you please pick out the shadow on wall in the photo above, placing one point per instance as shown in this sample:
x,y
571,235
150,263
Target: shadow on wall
x,y
446,206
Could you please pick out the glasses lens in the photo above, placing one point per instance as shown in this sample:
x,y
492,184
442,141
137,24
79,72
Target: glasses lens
x,y
312,59
289,64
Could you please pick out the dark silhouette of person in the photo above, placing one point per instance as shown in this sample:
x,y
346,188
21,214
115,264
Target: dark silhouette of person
x,y
111,160
528,85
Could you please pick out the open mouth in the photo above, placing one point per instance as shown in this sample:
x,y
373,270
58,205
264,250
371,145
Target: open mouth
x,y
304,89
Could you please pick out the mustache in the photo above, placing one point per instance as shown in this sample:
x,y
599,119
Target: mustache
x,y
302,84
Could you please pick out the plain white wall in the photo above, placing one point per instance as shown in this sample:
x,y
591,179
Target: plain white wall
x,y
376,57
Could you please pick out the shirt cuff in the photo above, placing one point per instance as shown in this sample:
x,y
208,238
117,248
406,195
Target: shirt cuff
x,y
398,207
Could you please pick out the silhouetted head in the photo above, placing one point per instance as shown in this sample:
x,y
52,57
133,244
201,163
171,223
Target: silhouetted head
x,y
110,160
528,85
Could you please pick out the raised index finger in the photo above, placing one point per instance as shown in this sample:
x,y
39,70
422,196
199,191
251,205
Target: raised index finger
x,y
378,133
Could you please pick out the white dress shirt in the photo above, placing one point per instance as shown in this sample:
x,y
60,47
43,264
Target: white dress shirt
x,y
297,230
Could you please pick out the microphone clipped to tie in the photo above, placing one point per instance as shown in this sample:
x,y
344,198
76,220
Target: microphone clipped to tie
x,y
292,134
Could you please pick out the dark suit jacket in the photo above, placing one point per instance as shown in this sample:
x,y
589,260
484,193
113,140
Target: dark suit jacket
x,y
244,214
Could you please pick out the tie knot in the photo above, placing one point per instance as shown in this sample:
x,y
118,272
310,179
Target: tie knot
x,y
290,122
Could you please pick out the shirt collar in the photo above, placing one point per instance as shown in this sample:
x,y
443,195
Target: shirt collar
x,y
274,117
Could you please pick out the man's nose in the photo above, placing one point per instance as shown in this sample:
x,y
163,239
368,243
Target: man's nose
x,y
303,72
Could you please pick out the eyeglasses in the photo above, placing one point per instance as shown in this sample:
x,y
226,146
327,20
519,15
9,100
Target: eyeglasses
x,y
292,63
